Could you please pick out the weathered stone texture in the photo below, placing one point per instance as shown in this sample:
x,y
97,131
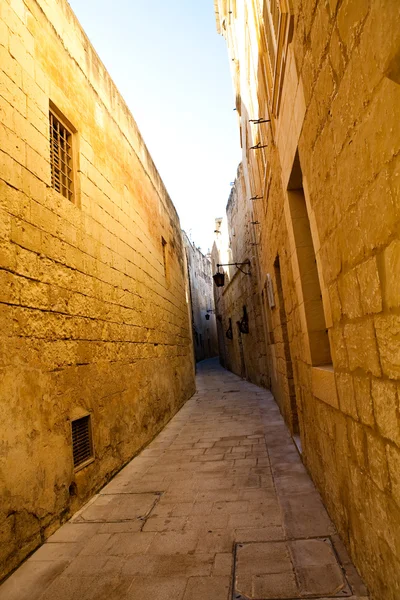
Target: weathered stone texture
x,y
334,136
92,321
215,529
244,352
370,287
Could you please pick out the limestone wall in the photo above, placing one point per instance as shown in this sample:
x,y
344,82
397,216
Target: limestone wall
x,y
202,301
93,293
328,174
238,301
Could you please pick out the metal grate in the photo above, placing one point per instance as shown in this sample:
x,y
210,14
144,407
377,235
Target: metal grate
x,y
61,158
82,446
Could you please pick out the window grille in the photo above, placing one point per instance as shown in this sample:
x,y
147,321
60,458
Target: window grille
x,y
82,446
61,158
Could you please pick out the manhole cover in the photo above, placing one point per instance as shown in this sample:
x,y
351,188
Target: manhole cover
x,y
115,508
288,570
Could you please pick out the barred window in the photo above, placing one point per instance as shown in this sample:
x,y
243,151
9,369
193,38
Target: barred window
x,y
62,178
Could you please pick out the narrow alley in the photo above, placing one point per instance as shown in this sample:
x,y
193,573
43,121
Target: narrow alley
x,y
218,506
189,187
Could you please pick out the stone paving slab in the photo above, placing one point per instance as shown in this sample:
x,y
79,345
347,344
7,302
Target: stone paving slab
x,y
289,569
217,506
114,508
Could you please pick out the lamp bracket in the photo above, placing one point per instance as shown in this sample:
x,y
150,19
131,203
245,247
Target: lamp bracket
x,y
259,121
258,146
237,265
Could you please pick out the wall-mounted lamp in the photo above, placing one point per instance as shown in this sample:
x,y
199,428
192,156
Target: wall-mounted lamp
x,y
254,222
219,278
256,198
243,324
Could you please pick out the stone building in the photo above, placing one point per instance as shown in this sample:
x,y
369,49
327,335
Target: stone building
x,y
242,347
318,100
202,301
96,349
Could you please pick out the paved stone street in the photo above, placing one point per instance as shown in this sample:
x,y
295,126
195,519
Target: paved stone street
x,y
218,506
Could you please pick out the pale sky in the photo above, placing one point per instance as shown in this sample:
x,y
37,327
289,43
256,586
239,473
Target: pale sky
x,y
172,69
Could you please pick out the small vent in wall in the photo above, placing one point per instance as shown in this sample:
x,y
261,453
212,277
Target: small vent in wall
x,y
82,446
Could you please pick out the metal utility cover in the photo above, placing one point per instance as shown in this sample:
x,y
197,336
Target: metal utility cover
x,y
288,570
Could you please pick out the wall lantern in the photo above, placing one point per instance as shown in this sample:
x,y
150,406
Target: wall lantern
x,y
210,310
243,324
219,278
207,317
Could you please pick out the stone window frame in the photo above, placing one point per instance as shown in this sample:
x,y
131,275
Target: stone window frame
x,y
322,374
307,272
276,30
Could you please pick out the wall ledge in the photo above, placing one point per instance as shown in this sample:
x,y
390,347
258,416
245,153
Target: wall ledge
x,y
324,385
